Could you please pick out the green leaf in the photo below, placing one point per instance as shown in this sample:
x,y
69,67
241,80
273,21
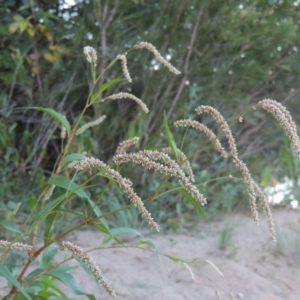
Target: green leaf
x,y
119,231
184,263
103,88
131,130
34,287
188,197
68,280
46,256
10,226
50,221
98,212
35,272
287,157
170,137
50,284
32,202
69,185
193,201
48,208
151,246
73,157
266,176
4,271
177,259
20,296
59,117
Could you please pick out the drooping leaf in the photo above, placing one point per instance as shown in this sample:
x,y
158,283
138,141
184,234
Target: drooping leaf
x,y
119,231
151,246
10,226
59,117
188,197
194,202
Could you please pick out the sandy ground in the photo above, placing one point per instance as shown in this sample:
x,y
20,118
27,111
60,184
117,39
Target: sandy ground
x,y
253,268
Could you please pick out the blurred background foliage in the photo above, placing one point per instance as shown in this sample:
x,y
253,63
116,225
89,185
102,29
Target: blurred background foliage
x,y
231,53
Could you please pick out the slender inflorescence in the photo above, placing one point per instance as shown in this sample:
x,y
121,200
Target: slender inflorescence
x,y
48,192
184,161
146,159
17,245
267,210
63,132
122,57
89,262
252,188
282,115
132,97
90,124
222,122
212,137
157,55
124,183
90,54
123,146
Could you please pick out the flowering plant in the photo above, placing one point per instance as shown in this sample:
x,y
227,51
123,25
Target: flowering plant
x,y
37,236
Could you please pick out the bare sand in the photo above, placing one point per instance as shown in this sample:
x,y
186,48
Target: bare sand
x,y
253,268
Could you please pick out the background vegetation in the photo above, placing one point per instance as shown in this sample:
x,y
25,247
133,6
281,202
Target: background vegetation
x,y
231,54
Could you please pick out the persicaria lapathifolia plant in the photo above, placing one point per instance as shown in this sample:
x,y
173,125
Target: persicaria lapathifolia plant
x,y
169,161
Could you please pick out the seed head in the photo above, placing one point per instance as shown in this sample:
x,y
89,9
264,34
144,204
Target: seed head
x,y
90,54
89,262
132,97
157,55
122,57
90,124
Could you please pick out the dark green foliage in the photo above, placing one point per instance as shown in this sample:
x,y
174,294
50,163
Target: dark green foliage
x,y
231,55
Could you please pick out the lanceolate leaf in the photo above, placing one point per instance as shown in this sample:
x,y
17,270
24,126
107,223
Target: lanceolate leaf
x,y
68,280
170,137
119,231
193,201
10,226
59,117
4,271
69,185
46,256
188,197
151,246
49,207
73,157
103,88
